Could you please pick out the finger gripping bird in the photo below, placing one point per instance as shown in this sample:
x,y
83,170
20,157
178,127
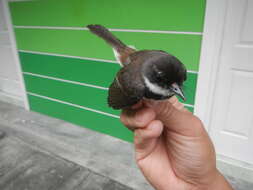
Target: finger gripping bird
x,y
150,74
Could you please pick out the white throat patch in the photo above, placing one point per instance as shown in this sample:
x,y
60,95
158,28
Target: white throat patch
x,y
155,88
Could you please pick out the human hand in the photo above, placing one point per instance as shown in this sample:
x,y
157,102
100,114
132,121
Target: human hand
x,y
173,150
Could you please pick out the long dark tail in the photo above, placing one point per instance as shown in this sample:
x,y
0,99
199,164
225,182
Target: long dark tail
x,y
105,34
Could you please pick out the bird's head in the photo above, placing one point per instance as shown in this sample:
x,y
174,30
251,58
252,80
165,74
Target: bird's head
x,y
164,75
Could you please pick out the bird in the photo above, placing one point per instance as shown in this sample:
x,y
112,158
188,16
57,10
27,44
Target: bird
x,y
145,74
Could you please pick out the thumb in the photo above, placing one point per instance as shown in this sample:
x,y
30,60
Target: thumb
x,y
145,139
175,117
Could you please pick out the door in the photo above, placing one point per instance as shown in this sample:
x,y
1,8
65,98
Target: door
x,y
231,125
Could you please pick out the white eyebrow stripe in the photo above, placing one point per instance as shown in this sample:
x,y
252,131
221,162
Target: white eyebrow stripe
x,y
155,88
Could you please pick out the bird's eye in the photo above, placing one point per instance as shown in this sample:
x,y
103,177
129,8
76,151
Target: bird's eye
x,y
158,72
159,75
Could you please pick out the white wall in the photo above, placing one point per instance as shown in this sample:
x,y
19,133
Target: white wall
x,y
11,89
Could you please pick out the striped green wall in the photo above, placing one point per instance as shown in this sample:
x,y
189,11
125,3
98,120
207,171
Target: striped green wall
x,y
67,70
82,43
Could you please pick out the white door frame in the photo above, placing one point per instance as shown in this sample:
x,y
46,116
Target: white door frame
x,y
210,58
15,50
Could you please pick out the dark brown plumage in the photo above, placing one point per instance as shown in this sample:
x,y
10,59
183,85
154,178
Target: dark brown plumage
x,y
152,74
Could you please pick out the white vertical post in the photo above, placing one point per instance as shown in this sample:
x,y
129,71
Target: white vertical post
x,y
210,58
15,51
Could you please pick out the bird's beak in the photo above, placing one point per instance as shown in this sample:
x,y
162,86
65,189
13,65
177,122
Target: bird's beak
x,y
178,91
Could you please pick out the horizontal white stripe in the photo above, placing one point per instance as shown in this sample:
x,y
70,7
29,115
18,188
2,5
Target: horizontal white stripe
x,y
74,105
18,0
52,27
111,29
68,56
190,71
77,57
189,105
67,81
156,31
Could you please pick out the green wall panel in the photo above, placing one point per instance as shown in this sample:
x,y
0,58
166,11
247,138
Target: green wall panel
x,y
189,88
85,96
92,120
85,44
81,95
179,15
86,71
88,119
80,71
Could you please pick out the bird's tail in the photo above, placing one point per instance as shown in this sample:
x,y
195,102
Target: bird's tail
x,y
105,34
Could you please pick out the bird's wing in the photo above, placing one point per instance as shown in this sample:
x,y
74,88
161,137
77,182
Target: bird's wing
x,y
127,88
